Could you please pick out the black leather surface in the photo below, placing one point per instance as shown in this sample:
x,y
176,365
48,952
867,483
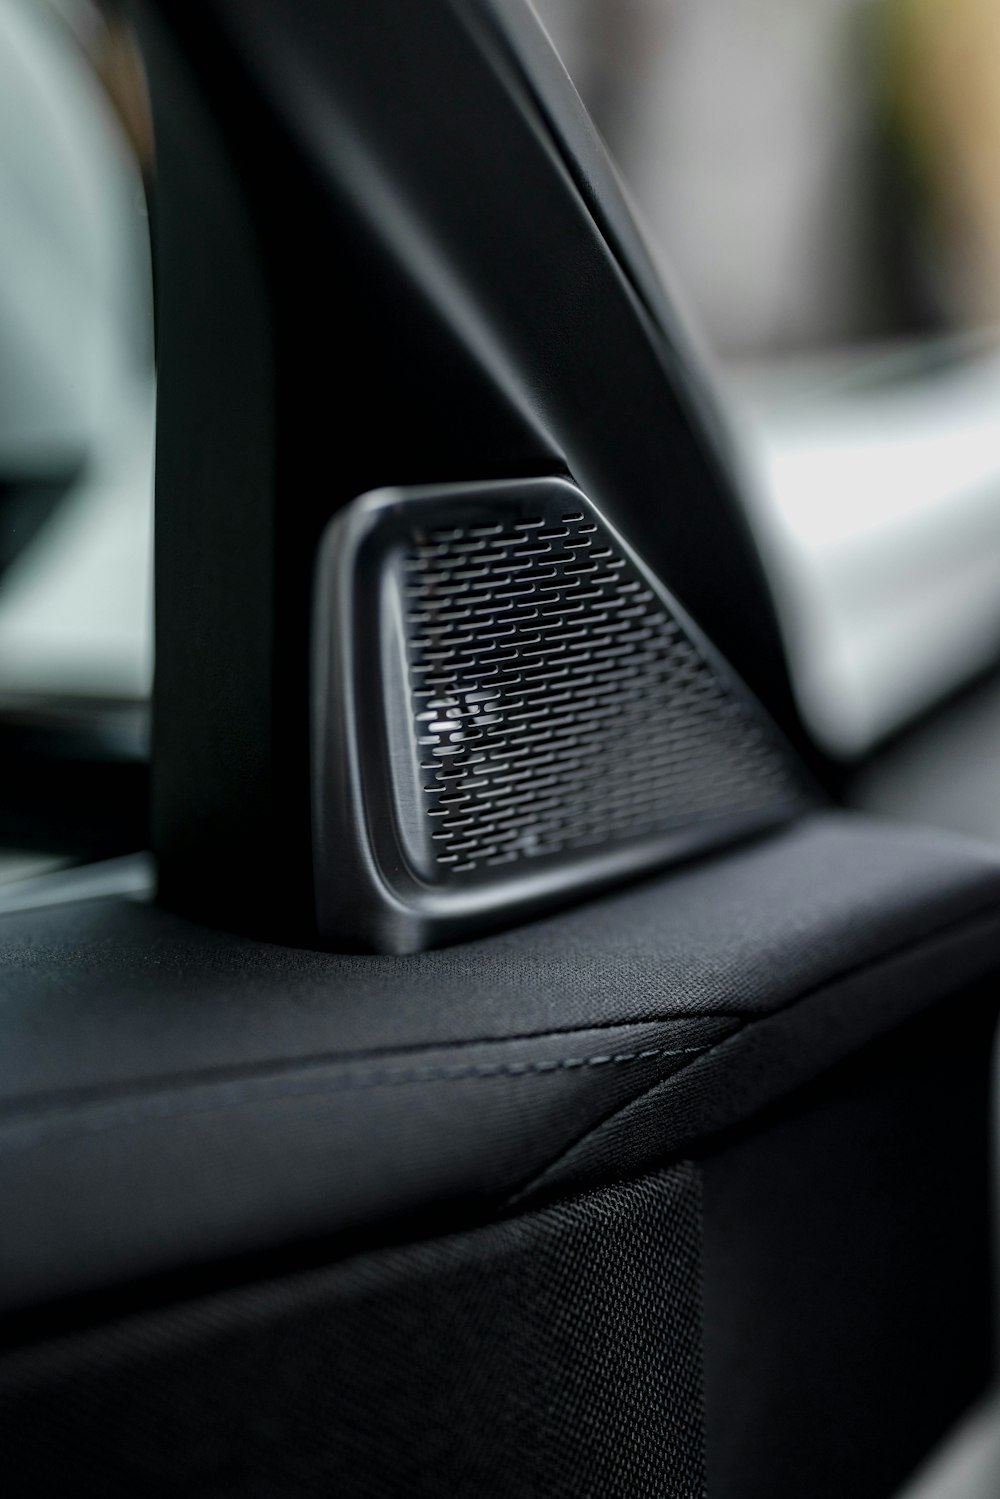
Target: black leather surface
x,y
173,1096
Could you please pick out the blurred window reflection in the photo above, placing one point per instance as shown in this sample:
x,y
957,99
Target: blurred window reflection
x,y
816,175
76,362
820,177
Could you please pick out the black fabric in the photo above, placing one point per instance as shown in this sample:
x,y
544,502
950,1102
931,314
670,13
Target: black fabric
x,y
554,1354
848,1276
108,993
174,1098
765,1059
111,1187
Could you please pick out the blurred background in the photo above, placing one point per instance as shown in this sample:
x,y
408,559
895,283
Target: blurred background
x,y
76,434
820,181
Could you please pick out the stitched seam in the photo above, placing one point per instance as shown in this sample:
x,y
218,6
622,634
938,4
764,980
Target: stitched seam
x,y
538,1178
97,1099
537,1181
518,1069
352,1084
140,1087
48,1105
205,1077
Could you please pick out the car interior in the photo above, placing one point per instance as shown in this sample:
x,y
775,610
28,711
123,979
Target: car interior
x,y
500,864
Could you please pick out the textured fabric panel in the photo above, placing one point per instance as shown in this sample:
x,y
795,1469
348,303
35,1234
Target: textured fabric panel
x,y
121,1187
555,1354
108,992
775,1055
848,1272
171,1096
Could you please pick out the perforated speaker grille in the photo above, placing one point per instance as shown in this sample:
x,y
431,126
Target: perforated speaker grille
x,y
557,703
509,708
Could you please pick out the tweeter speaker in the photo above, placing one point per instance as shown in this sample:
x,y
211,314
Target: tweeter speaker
x,y
509,710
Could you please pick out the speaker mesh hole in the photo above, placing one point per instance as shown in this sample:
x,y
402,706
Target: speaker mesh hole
x,y
558,705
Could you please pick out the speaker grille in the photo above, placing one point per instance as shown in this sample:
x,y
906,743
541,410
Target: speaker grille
x,y
557,704
509,710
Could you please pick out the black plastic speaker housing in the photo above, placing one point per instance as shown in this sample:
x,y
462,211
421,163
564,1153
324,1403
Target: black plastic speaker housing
x,y
509,710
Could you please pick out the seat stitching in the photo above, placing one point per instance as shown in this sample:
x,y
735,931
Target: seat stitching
x,y
897,953
479,1072
351,1082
